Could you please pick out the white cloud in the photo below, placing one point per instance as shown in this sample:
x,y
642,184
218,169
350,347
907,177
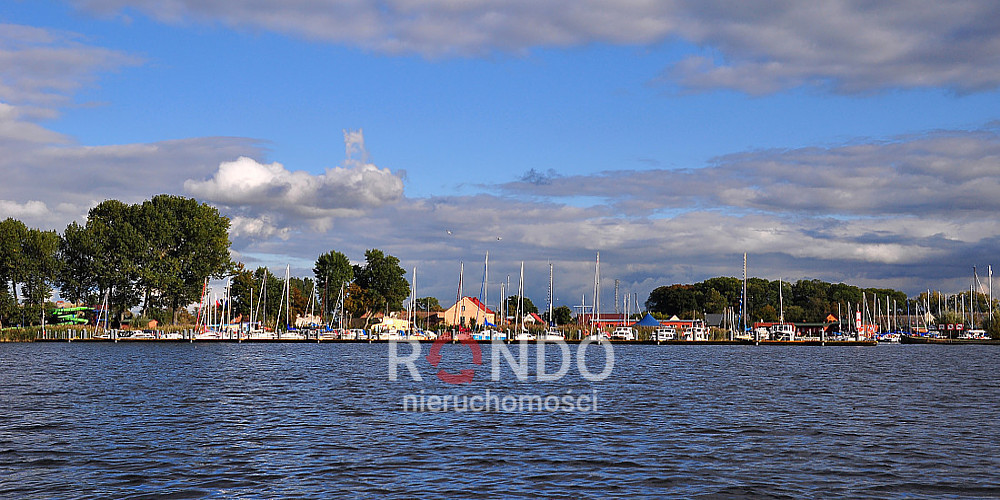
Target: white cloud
x,y
287,199
952,173
44,67
29,209
754,47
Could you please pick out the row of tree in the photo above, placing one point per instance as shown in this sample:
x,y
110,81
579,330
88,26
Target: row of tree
x,y
158,254
803,300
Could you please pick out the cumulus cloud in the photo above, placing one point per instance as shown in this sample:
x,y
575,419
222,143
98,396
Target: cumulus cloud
x,y
754,47
279,199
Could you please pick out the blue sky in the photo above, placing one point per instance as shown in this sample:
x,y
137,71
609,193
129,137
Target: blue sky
x,y
829,140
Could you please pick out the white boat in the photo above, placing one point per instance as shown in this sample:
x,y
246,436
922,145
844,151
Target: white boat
x,y
664,333
762,333
552,334
208,335
783,331
291,335
392,335
261,335
525,335
623,333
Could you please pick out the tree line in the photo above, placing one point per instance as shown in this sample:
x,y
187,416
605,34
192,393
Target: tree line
x,y
157,255
803,300
810,301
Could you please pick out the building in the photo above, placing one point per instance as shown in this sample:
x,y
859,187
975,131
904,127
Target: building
x,y
533,319
604,320
469,311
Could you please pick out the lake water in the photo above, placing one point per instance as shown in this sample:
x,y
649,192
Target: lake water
x,y
322,420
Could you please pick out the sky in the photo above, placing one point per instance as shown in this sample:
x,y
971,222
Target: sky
x,y
851,142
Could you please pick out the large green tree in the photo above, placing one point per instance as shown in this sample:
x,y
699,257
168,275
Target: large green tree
x,y
41,264
186,242
79,252
384,280
12,235
120,250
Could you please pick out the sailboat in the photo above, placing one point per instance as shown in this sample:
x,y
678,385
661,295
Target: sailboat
x,y
551,333
290,333
522,332
782,331
487,332
596,334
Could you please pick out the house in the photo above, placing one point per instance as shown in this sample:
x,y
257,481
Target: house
x,y
391,323
604,319
469,311
533,319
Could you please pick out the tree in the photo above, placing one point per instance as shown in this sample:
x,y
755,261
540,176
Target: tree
x,y
120,247
428,304
332,270
681,300
241,289
563,315
78,252
768,314
41,264
384,279
526,304
12,233
186,242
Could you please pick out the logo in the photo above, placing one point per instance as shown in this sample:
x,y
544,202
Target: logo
x,y
501,353
464,376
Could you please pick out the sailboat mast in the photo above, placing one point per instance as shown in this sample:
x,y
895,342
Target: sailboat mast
x,y
458,299
486,288
597,292
288,297
413,302
743,298
520,300
551,321
781,303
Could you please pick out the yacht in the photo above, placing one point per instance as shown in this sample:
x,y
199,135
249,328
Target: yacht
x,y
783,331
623,333
664,333
552,334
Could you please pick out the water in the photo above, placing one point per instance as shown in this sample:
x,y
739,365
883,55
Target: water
x,y
322,420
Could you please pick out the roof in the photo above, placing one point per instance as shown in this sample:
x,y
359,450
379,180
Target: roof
x,y
647,320
480,305
714,319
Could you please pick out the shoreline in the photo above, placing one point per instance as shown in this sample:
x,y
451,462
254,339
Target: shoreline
x,y
481,342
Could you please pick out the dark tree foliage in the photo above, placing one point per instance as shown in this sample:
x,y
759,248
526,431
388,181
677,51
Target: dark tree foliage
x,y
383,280
802,301
529,307
563,315
428,304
